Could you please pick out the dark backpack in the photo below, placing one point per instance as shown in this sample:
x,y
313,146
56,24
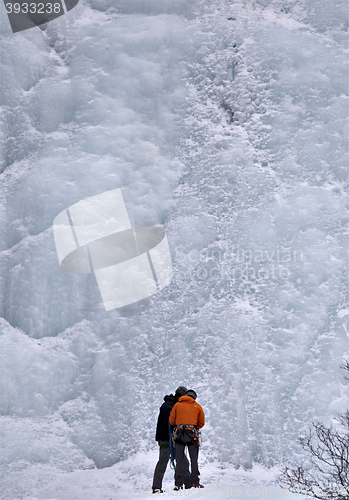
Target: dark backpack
x,y
185,434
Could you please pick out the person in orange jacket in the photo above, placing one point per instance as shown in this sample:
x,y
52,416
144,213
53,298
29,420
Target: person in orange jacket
x,y
188,416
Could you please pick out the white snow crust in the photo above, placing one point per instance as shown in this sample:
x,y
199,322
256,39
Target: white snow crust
x,y
130,479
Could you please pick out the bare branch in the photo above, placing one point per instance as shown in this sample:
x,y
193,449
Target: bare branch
x,y
345,366
325,475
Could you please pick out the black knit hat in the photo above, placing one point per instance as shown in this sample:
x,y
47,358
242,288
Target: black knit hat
x,y
191,393
181,391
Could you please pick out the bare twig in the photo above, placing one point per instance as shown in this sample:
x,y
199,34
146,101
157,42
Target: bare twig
x,y
324,475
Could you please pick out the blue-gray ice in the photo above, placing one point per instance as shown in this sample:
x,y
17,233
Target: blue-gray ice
x,y
224,123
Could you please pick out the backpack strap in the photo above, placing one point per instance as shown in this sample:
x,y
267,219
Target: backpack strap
x,y
184,427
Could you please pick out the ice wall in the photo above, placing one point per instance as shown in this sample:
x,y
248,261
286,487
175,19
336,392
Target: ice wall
x,y
225,124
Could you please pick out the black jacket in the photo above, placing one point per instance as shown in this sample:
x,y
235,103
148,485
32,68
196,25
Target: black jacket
x,y
165,410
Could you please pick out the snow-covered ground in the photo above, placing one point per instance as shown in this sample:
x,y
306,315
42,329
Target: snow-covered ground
x,y
132,479
225,123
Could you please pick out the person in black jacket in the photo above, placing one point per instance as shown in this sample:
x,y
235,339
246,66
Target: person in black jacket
x,y
163,439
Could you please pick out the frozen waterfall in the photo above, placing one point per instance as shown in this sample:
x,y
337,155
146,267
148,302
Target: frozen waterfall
x,y
224,123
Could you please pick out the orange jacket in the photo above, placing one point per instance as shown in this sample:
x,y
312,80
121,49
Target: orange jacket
x,y
187,411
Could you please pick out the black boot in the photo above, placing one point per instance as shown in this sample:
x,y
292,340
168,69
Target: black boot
x,y
177,488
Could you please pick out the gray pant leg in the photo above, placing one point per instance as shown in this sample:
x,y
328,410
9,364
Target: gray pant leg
x,y
179,474
194,455
160,468
186,470
187,475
